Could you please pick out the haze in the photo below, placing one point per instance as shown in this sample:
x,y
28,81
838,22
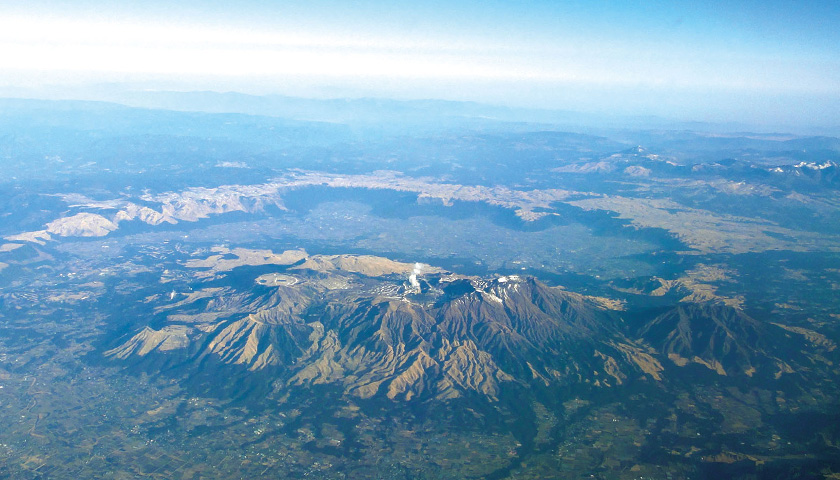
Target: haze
x,y
767,64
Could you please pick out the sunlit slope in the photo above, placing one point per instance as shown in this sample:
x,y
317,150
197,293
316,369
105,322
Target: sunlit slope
x,y
357,323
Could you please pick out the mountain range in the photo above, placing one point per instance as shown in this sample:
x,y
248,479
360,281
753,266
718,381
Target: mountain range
x,y
405,334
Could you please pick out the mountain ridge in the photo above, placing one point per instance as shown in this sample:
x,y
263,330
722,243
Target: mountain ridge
x,y
437,335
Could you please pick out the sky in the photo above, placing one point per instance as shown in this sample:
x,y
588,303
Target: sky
x,y
749,61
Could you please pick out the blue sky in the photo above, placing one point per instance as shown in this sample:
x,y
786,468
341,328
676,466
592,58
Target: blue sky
x,y
771,61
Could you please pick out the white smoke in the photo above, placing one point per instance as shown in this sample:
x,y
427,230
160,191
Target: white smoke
x,y
412,279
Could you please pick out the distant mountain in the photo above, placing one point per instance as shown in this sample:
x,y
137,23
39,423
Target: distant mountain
x,y
825,173
426,114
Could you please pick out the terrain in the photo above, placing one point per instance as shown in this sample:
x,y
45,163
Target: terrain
x,y
215,295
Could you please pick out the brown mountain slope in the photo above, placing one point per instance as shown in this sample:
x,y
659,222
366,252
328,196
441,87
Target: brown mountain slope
x,y
435,335
721,338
